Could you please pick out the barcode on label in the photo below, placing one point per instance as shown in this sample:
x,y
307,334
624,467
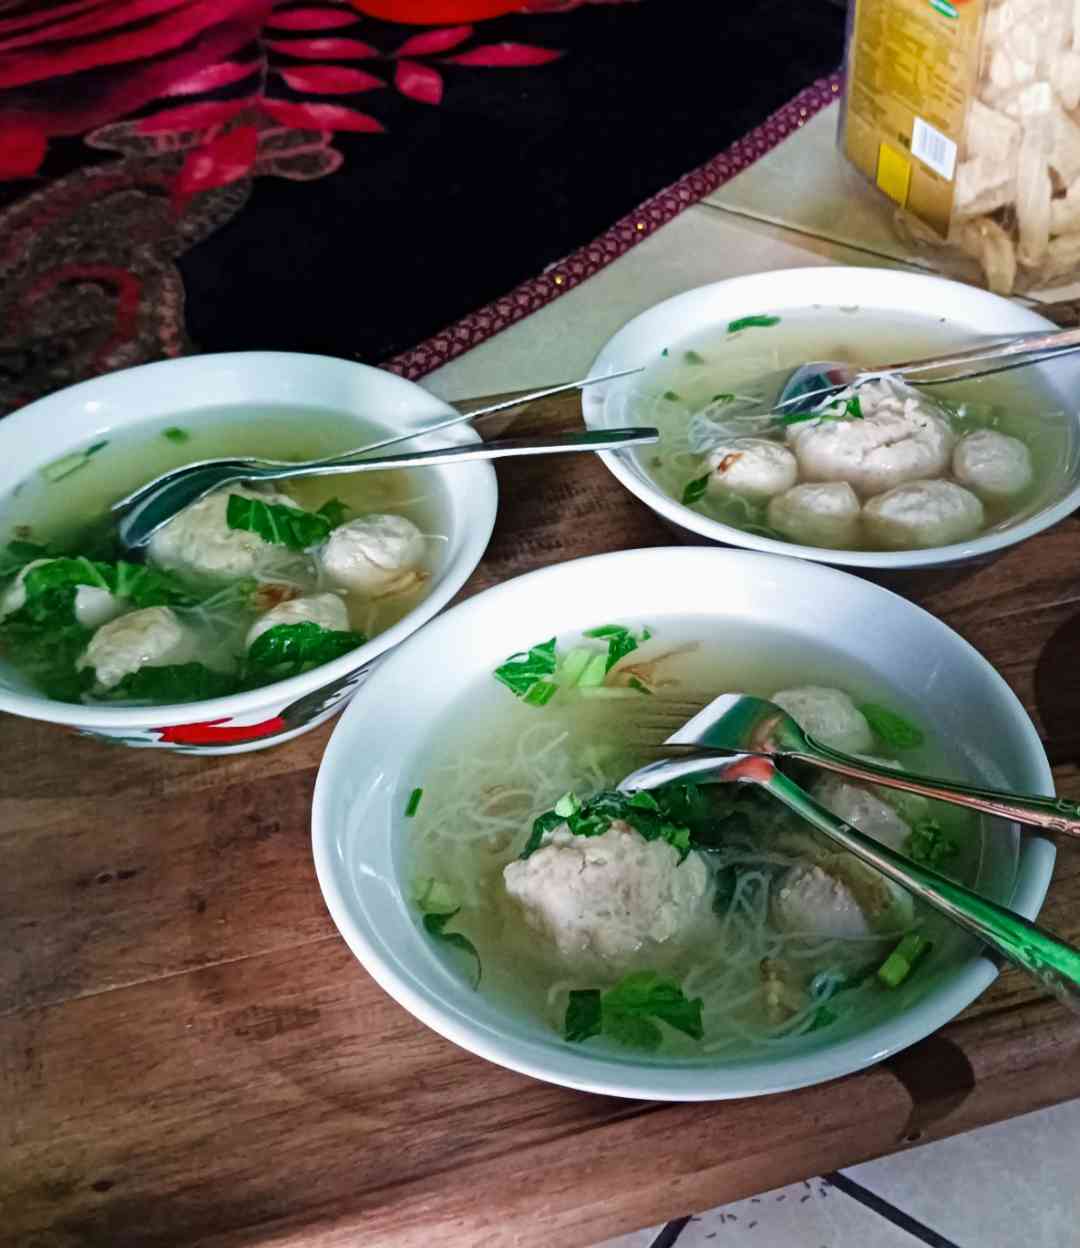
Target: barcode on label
x,y
933,148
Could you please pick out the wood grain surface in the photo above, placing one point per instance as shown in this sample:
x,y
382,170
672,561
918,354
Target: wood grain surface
x,y
190,1055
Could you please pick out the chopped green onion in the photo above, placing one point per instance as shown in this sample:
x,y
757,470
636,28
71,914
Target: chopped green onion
x,y
175,434
903,959
752,322
722,398
664,352
414,803
671,396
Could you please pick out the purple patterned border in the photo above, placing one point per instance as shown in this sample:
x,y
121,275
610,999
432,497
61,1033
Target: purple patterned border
x,y
626,233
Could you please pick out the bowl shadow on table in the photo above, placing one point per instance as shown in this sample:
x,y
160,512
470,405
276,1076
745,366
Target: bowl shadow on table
x,y
1057,692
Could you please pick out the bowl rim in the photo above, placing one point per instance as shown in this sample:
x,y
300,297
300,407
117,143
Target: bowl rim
x,y
621,463
478,491
608,1076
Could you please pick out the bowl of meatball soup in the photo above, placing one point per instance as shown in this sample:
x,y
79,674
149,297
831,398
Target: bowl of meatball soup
x,y
697,942
883,476
256,612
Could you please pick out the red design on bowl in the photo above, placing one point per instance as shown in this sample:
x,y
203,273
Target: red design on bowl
x,y
215,732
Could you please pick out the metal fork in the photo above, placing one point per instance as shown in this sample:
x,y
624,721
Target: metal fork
x,y
1018,941
738,721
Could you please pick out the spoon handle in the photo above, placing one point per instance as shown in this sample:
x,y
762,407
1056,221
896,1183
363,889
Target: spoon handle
x,y
1052,814
1017,940
1019,344
487,408
600,440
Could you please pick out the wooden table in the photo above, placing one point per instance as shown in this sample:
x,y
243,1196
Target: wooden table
x,y
190,1054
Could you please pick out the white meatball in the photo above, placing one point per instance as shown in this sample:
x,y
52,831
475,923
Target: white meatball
x,y
992,464
199,542
922,514
375,554
812,902
753,467
610,898
94,606
899,438
840,899
863,806
829,715
152,637
326,610
818,515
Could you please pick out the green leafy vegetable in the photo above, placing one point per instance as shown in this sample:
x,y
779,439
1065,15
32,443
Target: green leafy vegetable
x,y
45,641
903,959
893,729
414,803
692,357
752,322
594,816
177,682
67,464
929,845
664,352
335,511
276,523
694,490
435,924
625,1013
142,585
621,641
176,434
289,649
853,408
671,396
523,670
16,555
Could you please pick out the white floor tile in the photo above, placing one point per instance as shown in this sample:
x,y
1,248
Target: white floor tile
x,y
1011,1185
636,1239
560,340
804,1215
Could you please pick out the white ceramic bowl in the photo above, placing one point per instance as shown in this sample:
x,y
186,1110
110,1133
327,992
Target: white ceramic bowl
x,y
360,833
45,430
883,290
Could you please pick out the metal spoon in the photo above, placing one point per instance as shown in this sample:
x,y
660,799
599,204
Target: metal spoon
x,y
157,508
738,721
487,408
1018,941
789,391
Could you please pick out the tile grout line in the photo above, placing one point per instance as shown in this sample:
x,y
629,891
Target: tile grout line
x,y
670,1233
919,1230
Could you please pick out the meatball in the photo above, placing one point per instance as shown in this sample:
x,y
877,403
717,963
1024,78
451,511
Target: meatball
x,y
840,899
922,514
828,715
863,806
818,515
753,467
899,438
608,898
94,606
375,554
326,610
152,637
198,541
992,464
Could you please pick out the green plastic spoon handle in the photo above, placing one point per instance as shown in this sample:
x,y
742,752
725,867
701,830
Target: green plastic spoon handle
x,y
1016,939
